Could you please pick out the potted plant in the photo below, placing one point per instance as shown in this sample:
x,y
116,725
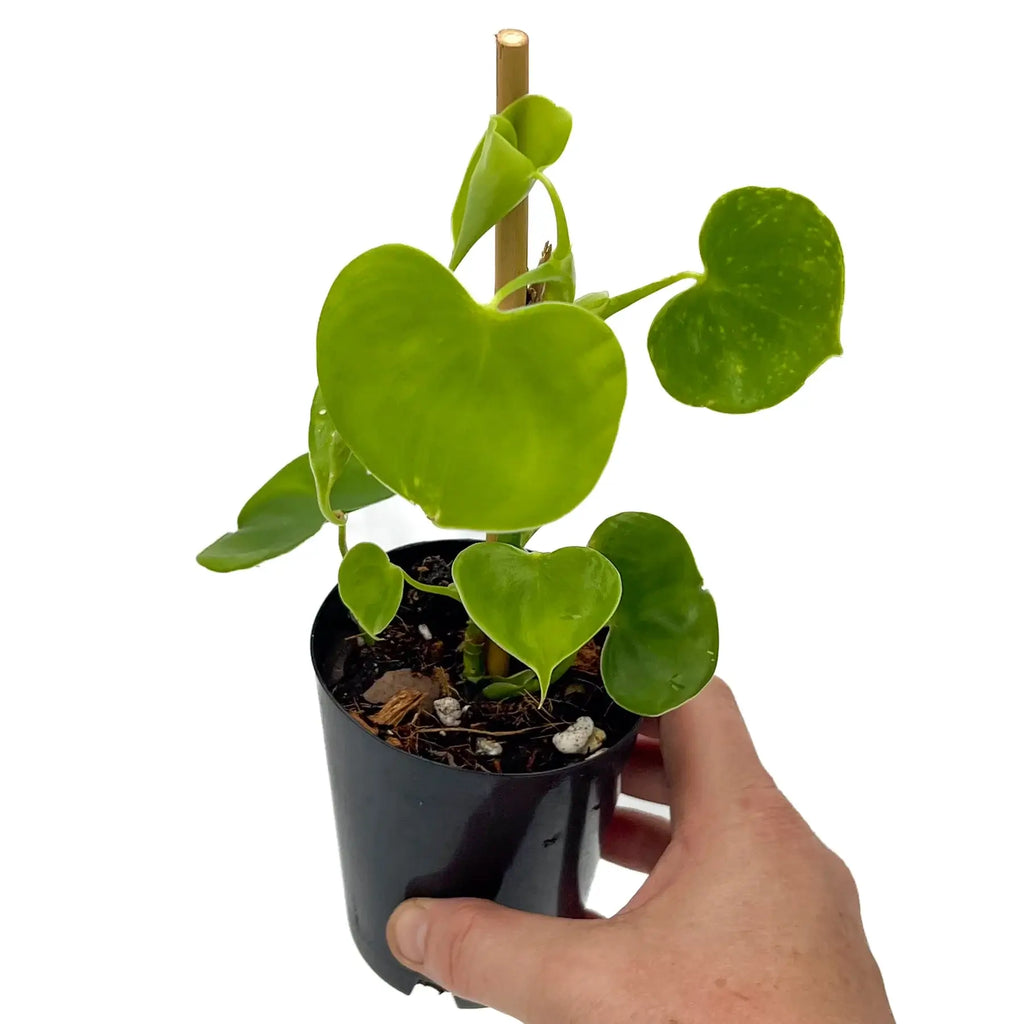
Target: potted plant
x,y
493,693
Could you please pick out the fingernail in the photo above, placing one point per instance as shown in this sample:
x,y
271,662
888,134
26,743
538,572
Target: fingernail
x,y
409,928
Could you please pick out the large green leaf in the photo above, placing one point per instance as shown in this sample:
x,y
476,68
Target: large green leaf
x,y
342,482
370,586
662,644
278,517
767,312
488,420
539,607
526,137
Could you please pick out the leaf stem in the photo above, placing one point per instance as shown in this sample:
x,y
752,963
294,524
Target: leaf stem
x,y
619,302
538,275
342,539
563,247
428,588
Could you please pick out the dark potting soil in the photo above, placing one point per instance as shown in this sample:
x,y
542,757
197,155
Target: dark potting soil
x,y
520,724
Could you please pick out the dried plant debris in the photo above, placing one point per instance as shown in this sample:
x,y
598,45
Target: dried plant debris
x,y
588,659
443,680
399,680
398,707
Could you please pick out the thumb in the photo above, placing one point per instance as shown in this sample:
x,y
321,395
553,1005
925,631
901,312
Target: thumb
x,y
493,955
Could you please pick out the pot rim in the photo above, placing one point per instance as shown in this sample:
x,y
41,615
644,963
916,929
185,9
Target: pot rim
x,y
564,772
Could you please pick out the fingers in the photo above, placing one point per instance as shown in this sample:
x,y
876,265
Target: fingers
x,y
635,840
644,774
709,756
492,955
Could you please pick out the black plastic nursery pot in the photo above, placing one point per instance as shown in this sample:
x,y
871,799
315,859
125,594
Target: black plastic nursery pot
x,y
410,826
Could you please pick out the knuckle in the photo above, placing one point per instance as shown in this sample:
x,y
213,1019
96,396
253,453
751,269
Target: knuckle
x,y
842,877
454,958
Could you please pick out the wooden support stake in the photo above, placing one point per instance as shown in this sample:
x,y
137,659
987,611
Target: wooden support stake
x,y
512,60
510,236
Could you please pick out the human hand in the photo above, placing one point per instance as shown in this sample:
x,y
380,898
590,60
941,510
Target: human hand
x,y
745,916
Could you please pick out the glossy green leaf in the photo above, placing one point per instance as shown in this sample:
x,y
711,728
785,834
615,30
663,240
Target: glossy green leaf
x,y
662,644
594,302
542,607
541,128
342,482
278,517
523,682
370,587
767,312
488,420
529,135
498,179
510,686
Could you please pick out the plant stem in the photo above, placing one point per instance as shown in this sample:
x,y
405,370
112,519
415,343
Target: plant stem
x,y
545,272
562,247
342,541
619,302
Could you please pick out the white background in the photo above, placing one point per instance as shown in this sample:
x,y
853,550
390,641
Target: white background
x,y
182,182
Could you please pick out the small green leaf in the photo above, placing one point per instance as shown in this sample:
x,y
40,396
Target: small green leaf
x,y
662,644
502,687
767,312
541,608
488,420
278,517
370,587
541,128
594,302
529,135
341,480
510,686
498,180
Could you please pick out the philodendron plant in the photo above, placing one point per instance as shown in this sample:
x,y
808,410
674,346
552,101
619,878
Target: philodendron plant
x,y
502,420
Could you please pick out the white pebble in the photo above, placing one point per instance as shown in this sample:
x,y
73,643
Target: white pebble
x,y
574,740
596,740
448,710
425,631
488,748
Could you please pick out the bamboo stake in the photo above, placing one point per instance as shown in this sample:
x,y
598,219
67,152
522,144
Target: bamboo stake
x,y
510,241
512,63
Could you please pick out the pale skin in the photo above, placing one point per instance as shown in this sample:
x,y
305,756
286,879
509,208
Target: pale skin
x,y
746,916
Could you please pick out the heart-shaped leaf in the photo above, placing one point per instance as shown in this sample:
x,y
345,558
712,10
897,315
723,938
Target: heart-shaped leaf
x,y
662,644
370,587
529,135
541,608
488,420
767,312
342,482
